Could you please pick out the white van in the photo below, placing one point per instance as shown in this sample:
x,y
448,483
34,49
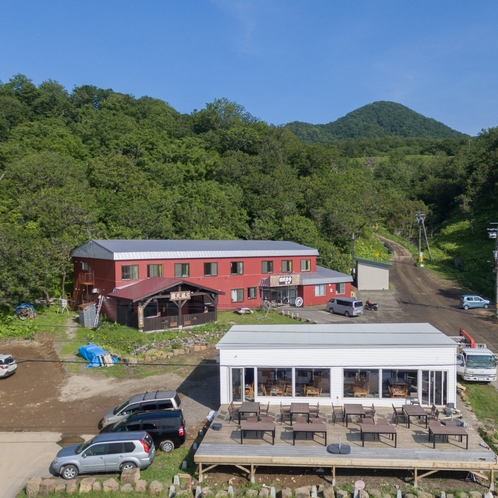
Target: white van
x,y
345,306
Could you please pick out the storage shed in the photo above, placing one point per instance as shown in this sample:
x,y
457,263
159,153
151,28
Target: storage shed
x,y
386,363
372,275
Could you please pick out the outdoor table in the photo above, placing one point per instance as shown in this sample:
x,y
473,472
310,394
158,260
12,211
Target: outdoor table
x,y
257,427
248,407
306,428
353,409
276,390
414,411
377,430
312,391
444,431
299,409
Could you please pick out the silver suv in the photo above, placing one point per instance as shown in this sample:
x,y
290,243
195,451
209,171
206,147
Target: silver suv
x,y
111,452
158,400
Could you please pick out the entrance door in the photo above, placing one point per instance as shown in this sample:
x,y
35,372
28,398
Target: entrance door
x,y
434,387
242,384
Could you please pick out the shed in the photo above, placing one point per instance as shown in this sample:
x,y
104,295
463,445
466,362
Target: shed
x,y
382,363
372,275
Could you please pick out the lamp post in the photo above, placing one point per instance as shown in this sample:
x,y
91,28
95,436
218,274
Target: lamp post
x,y
420,216
493,234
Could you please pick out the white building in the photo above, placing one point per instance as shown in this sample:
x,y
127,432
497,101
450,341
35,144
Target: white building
x,y
380,363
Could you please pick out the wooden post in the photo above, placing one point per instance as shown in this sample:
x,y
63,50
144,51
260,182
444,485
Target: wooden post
x,y
200,473
333,475
415,475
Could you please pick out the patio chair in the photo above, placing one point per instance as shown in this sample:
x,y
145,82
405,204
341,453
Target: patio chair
x,y
398,415
337,414
433,415
382,421
263,389
315,410
233,412
265,412
284,413
370,412
316,420
367,421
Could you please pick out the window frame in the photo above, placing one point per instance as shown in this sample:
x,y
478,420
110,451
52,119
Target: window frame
x,y
269,267
305,265
237,300
159,267
131,272
287,263
322,288
239,268
213,269
249,296
340,288
179,267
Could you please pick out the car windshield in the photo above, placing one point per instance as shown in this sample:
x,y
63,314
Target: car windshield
x,y
83,446
481,361
117,427
7,361
120,407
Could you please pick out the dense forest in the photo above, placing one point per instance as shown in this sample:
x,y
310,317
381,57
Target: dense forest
x,y
377,120
93,163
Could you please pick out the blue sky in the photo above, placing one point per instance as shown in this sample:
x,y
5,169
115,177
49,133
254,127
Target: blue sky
x,y
283,60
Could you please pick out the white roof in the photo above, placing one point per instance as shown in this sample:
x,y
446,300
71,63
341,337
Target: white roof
x,y
335,336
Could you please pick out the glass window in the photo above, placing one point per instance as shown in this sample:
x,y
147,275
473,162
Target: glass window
x,y
182,270
340,288
275,381
210,269
287,266
314,382
361,383
85,266
154,271
129,272
237,268
237,295
267,267
320,290
306,265
252,293
399,384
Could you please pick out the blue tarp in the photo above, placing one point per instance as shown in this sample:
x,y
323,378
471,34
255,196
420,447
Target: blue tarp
x,y
91,353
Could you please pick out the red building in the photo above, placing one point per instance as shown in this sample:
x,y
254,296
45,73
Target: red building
x,y
219,274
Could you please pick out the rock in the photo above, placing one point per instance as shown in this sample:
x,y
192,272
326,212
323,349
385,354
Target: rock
x,y
130,476
207,491
47,487
110,485
221,494
286,493
141,486
374,492
86,484
252,493
475,494
33,487
328,492
60,487
340,493
126,488
424,494
97,486
155,488
363,494
264,492
303,492
71,487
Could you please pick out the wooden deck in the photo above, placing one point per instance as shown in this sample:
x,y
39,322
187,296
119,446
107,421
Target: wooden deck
x,y
414,452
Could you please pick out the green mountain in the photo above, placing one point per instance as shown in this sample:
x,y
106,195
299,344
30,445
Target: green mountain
x,y
377,120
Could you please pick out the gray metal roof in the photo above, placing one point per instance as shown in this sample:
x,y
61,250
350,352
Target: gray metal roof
x,y
120,250
324,276
335,336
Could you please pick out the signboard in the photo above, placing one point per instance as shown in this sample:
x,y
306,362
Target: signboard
x,y
284,280
179,296
140,317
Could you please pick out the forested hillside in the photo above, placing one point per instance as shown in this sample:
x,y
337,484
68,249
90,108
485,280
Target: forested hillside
x,y
377,120
96,163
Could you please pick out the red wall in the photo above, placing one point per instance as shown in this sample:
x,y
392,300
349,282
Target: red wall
x,y
107,276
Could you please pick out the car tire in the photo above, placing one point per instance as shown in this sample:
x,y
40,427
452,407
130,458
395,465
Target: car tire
x,y
331,310
69,472
466,307
346,314
127,466
167,446
486,306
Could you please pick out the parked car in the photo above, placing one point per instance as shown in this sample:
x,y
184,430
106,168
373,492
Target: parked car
x,y
345,306
167,428
472,301
112,452
8,365
158,400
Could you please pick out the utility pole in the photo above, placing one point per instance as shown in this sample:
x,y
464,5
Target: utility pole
x,y
352,256
493,234
420,216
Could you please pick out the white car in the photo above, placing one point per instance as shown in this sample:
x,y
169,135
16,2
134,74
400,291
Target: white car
x,y
8,365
